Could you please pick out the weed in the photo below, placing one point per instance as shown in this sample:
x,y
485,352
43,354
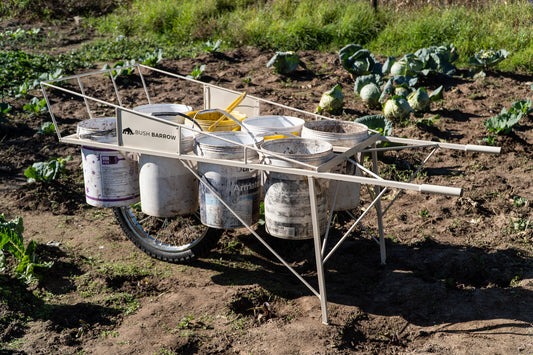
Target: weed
x,y
429,122
11,241
519,201
211,46
197,72
46,171
424,213
36,106
47,129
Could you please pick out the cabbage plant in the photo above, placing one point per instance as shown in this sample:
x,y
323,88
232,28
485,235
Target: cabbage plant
x,y
419,100
370,95
364,80
331,101
285,62
357,60
397,109
438,59
487,58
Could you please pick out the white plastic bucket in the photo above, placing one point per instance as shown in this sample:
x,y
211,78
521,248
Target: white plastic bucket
x,y
287,201
341,134
167,111
110,176
167,187
270,127
238,187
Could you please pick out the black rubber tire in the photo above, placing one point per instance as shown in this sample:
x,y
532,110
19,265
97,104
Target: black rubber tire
x,y
177,240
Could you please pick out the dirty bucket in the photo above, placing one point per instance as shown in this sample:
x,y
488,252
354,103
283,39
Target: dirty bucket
x,y
270,127
287,201
341,134
110,176
171,112
167,188
209,120
238,187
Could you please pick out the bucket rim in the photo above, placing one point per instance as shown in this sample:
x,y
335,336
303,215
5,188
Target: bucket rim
x,y
325,147
258,121
359,127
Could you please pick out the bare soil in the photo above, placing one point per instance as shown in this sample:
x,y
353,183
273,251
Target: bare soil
x,y
458,277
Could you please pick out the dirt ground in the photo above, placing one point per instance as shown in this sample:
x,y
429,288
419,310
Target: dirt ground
x,y
458,277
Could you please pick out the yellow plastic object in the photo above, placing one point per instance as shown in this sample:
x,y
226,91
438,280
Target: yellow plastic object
x,y
211,121
279,136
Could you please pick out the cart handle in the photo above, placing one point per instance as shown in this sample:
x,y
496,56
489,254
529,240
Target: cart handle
x,y
444,190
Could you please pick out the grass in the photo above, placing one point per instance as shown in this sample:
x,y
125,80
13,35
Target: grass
x,y
327,26
137,28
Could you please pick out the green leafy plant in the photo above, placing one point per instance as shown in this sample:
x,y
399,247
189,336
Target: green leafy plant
x,y
485,59
519,201
36,106
212,46
151,59
197,72
4,109
331,101
377,123
46,171
285,62
504,122
357,60
11,241
119,70
47,129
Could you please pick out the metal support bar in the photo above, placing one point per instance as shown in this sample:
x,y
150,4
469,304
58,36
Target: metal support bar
x,y
279,257
382,247
318,254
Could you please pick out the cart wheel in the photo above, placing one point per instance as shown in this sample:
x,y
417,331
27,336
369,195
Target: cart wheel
x,y
177,240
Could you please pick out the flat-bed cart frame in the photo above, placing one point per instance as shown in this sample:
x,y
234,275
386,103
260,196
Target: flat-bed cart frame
x,y
216,97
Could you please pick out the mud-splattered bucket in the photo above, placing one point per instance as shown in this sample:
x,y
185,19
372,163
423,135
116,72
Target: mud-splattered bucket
x,y
287,200
340,134
271,127
238,187
110,176
167,187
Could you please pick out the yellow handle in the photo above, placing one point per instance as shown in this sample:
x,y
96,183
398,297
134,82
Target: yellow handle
x,y
236,103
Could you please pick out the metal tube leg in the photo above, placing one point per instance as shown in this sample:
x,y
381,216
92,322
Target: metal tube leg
x,y
379,212
318,251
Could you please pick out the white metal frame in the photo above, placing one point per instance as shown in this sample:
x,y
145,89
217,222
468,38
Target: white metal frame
x,y
216,97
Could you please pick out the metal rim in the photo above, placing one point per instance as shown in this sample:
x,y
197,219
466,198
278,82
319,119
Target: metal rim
x,y
176,234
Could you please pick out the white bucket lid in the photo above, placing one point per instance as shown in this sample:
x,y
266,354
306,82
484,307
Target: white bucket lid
x,y
100,129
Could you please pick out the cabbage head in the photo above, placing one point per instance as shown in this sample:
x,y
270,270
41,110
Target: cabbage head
x,y
419,100
331,101
370,94
397,108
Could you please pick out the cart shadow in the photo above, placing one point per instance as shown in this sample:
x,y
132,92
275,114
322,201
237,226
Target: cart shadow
x,y
426,283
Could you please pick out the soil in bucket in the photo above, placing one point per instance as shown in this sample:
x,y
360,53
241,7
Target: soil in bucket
x,y
344,195
238,187
110,176
287,198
